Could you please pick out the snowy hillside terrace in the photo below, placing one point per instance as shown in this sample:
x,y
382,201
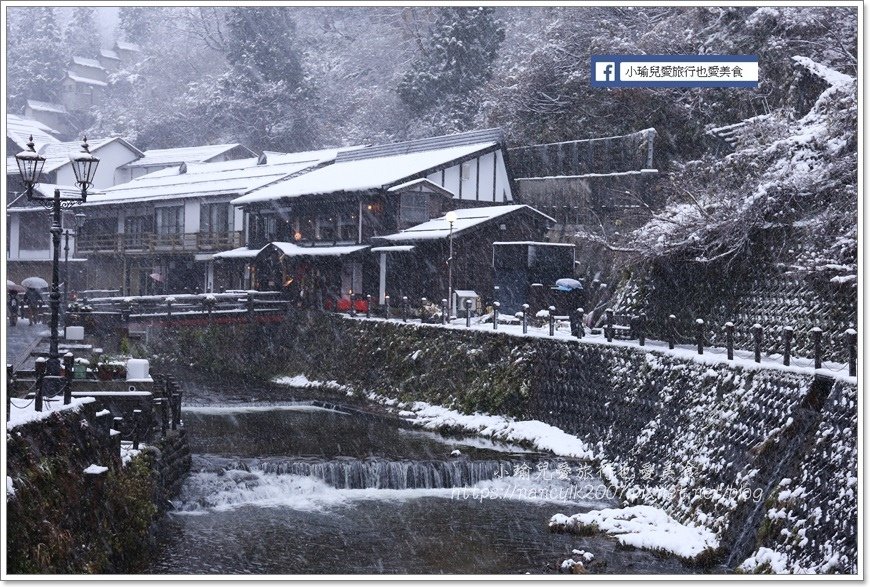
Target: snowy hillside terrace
x,y
782,172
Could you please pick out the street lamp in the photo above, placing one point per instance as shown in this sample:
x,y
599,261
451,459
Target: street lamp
x,y
79,221
30,164
451,218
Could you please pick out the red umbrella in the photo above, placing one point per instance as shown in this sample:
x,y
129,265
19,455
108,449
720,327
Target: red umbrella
x,y
14,287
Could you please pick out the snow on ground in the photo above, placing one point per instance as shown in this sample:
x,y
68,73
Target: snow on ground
x,y
541,435
128,452
23,411
763,558
10,489
712,355
93,469
303,381
643,527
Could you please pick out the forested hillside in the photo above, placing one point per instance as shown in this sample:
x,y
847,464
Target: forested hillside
x,y
281,78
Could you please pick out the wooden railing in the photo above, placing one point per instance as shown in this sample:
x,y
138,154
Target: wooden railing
x,y
179,309
149,242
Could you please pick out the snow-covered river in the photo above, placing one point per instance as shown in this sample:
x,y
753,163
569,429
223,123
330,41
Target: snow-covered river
x,y
283,485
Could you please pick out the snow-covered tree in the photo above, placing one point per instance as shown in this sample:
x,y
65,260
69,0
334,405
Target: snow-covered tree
x,y
35,56
81,36
136,24
784,173
455,61
264,38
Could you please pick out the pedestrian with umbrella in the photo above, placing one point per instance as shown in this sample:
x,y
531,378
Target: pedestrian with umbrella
x,y
32,298
13,289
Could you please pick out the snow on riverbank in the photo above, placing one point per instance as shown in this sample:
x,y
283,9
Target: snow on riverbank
x,y
303,382
542,436
642,527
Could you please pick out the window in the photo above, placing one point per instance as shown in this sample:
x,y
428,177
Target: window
x,y
413,209
214,218
169,220
303,227
326,227
98,232
33,232
135,229
347,226
466,171
263,229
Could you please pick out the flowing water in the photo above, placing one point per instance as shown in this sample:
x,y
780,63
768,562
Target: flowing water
x,y
302,487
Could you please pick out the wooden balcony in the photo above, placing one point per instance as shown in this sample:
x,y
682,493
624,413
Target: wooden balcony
x,y
149,242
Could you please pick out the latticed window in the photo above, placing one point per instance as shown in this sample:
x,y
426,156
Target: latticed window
x,y
135,229
169,220
215,218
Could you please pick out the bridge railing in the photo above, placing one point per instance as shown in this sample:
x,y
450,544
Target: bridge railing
x,y
179,306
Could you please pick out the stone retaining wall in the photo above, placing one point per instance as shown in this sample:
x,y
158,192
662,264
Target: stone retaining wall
x,y
709,444
63,521
172,466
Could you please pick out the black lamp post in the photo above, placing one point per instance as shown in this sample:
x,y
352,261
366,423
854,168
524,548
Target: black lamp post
x,y
451,218
79,220
30,164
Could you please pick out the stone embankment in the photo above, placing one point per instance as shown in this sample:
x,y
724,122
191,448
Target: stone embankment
x,y
764,458
79,500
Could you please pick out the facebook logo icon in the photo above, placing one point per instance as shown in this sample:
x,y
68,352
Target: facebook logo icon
x,y
605,71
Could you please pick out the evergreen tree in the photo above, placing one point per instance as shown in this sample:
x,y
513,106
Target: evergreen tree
x,y
35,56
455,61
263,38
81,36
136,24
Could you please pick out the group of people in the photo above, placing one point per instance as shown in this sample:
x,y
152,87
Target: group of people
x,y
32,302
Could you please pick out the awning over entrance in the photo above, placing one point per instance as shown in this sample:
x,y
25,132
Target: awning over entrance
x,y
292,250
240,253
396,249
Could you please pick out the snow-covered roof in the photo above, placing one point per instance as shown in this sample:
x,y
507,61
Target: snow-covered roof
x,y
201,154
19,129
490,135
87,62
239,253
363,174
394,249
224,178
321,155
421,184
293,250
127,46
535,243
57,154
466,218
85,80
46,107
109,54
